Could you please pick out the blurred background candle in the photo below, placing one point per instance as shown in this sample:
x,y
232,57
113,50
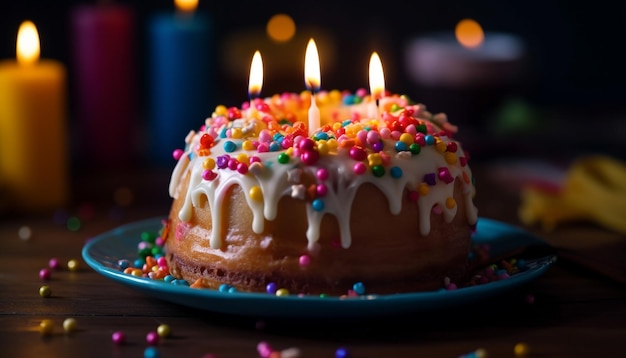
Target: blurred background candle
x,y
180,78
104,85
465,72
33,138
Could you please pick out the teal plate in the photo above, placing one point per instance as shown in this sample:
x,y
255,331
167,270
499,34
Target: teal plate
x,y
103,252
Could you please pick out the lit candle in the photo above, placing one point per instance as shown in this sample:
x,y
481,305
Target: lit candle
x,y
377,83
312,81
256,76
33,138
180,76
104,83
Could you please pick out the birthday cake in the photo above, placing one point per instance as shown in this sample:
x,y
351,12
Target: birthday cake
x,y
378,199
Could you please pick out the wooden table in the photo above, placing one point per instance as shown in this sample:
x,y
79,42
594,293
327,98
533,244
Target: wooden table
x,y
575,312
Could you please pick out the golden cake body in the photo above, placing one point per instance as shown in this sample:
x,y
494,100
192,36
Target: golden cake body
x,y
380,195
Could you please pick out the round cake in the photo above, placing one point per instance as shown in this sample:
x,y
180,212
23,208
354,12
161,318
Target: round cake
x,y
377,200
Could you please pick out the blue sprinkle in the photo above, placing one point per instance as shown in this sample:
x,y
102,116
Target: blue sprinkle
x,y
230,146
321,136
224,287
151,352
430,140
169,278
396,172
139,263
271,288
349,99
346,123
180,283
223,132
400,146
124,264
359,288
232,290
274,147
278,137
318,204
342,353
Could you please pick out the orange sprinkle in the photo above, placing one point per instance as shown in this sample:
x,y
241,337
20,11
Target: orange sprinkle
x,y
197,284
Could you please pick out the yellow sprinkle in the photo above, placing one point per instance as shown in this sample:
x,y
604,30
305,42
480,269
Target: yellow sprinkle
x,y
236,133
163,330
70,325
209,164
322,148
256,194
374,159
137,272
289,151
336,126
450,203
332,144
423,189
221,110
441,146
46,327
243,158
247,145
450,157
282,292
335,95
406,138
72,265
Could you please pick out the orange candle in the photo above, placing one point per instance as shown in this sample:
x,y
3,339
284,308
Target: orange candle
x,y
33,138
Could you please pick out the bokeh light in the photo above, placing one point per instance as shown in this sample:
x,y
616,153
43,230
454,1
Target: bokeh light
x,y
281,28
469,33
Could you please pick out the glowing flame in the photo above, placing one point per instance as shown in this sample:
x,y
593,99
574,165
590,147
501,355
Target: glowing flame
x,y
27,49
377,76
312,76
469,33
256,75
186,5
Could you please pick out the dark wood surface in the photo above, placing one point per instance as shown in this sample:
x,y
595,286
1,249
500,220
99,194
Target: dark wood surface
x,y
577,311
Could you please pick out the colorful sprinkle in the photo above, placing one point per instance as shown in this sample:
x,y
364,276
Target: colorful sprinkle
x,y
45,291
70,325
164,330
118,337
46,327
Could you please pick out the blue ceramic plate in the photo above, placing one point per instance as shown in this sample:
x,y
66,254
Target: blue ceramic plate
x,y
103,252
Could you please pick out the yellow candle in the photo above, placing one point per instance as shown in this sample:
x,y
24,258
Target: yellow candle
x,y
33,138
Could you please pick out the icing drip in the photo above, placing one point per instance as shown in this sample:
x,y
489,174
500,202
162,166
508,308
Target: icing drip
x,y
393,171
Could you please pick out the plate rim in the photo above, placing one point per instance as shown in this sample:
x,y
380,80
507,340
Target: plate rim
x,y
309,305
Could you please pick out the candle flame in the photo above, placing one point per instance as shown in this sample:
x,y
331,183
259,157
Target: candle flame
x,y
186,5
377,76
27,48
469,33
256,75
312,76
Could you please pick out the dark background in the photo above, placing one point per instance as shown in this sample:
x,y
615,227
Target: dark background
x,y
575,67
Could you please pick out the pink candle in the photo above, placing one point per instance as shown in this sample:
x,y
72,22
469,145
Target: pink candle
x,y
104,85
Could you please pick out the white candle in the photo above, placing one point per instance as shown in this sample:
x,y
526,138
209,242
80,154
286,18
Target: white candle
x,y
312,80
377,84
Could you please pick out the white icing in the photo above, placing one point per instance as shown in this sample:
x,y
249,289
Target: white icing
x,y
277,180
